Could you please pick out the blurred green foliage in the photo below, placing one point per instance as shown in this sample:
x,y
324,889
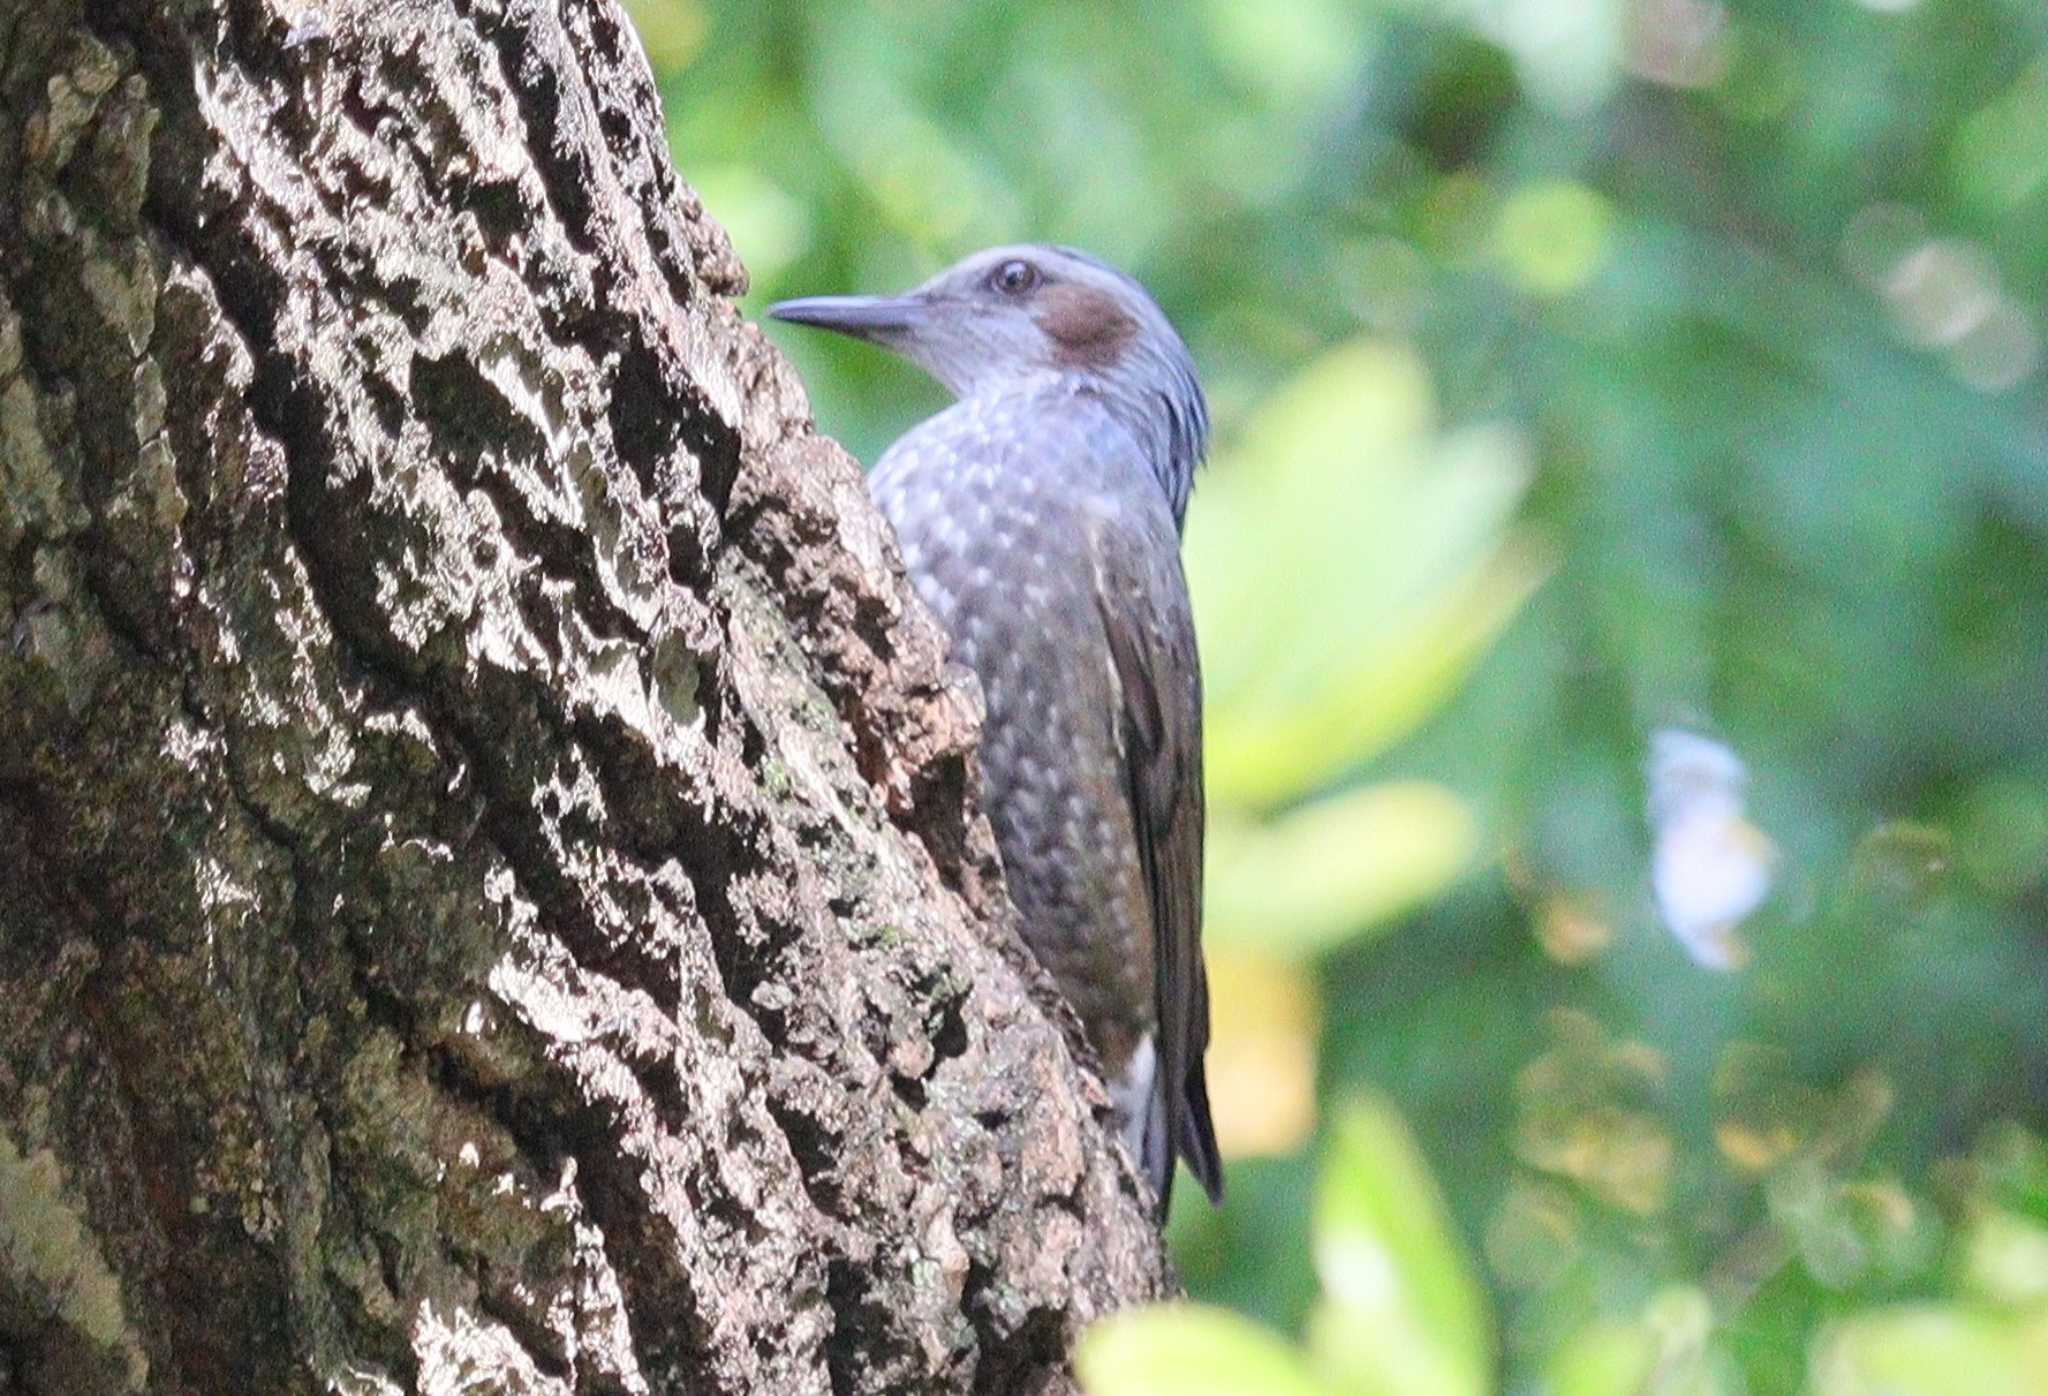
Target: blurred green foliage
x,y
1582,368
1400,1313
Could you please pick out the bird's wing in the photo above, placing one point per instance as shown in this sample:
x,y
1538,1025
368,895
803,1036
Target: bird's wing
x,y
1143,601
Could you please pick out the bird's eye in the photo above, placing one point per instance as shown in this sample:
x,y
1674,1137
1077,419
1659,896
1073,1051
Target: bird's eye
x,y
1014,278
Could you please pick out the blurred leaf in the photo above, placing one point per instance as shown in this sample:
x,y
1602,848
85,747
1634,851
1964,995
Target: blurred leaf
x,y
1402,1313
2003,834
1573,929
1322,873
1667,1350
1932,1350
1609,1357
672,31
1552,236
1590,1111
1902,861
1295,50
1567,51
1281,745
1340,494
2001,151
1190,1350
768,228
2005,1259
1625,1158
1762,1115
2010,1164
1262,1051
1329,446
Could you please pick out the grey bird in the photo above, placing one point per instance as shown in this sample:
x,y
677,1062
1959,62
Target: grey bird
x,y
1039,517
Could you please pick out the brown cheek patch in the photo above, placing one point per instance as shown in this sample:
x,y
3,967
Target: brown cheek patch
x,y
1088,329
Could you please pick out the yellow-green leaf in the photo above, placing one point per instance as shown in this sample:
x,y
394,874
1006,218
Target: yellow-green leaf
x,y
1932,1350
1190,1350
1324,872
1281,740
1609,1357
1399,538
1402,1313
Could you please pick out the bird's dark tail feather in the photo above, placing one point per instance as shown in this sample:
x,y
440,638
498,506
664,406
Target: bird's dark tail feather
x,y
1169,1136
1197,1142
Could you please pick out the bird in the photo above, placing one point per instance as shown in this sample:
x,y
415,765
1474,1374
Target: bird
x,y
1039,517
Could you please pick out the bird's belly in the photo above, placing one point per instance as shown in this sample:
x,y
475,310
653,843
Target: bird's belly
x,y
1018,605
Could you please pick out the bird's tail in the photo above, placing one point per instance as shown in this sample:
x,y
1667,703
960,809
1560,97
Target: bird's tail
x,y
1197,1134
1157,1136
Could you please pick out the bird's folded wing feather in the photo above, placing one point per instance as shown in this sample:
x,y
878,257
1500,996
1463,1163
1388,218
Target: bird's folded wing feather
x,y
1143,601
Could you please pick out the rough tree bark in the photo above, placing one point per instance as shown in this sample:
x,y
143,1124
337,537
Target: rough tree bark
x,y
490,891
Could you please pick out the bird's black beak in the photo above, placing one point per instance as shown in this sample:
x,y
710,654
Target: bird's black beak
x,y
882,319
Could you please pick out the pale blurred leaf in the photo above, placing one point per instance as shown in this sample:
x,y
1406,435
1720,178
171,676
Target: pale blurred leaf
x,y
1348,567
768,228
1665,1351
1296,50
2001,151
1277,506
1932,1350
1317,875
1190,1350
1282,745
1552,236
1402,1313
1609,1357
2005,1258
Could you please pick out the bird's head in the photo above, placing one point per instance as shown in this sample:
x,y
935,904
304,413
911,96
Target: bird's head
x,y
1013,316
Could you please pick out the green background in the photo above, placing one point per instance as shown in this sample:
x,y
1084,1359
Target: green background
x,y
1580,368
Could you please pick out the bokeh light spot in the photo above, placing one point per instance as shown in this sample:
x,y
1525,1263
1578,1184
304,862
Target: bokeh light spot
x,y
1553,236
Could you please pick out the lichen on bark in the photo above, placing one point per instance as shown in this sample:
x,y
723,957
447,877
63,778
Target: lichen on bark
x,y
495,899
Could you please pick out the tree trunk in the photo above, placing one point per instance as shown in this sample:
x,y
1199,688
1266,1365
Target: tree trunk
x,y
491,894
